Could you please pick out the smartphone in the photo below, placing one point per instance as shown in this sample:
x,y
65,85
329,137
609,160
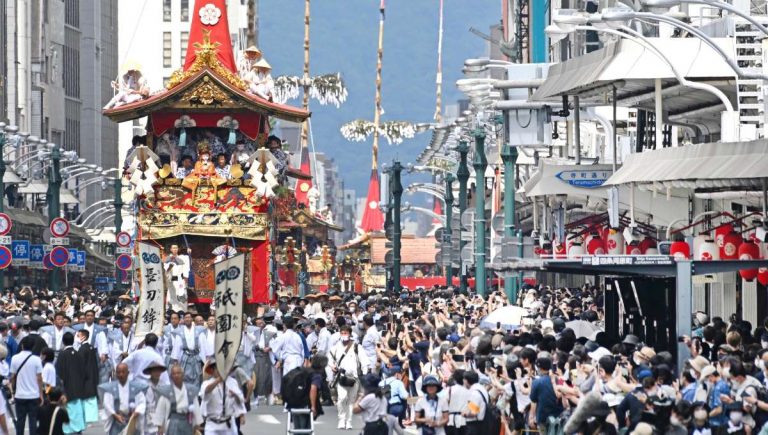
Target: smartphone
x,y
458,358
498,325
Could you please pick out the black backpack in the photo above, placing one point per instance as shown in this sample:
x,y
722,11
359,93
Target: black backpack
x,y
295,388
492,419
761,417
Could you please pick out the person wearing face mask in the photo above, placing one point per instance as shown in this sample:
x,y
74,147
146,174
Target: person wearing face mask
x,y
745,387
717,388
346,361
700,422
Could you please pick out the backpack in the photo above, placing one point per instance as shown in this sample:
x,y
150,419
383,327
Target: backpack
x,y
761,417
295,388
492,419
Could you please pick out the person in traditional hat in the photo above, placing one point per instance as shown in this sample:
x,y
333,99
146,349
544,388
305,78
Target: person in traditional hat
x,y
152,423
259,80
251,56
222,401
204,167
131,87
123,401
177,410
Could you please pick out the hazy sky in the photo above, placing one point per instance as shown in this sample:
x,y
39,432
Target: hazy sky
x,y
344,36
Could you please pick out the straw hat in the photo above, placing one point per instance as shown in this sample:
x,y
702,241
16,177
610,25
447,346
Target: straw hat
x,y
262,63
253,49
131,65
707,372
699,363
154,365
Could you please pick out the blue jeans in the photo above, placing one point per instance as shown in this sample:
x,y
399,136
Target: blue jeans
x,y
26,408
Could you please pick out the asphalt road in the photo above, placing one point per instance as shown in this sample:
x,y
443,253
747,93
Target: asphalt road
x,y
271,420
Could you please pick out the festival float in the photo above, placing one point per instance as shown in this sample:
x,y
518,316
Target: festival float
x,y
208,180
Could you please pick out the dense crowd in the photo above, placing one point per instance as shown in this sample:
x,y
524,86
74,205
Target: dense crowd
x,y
424,359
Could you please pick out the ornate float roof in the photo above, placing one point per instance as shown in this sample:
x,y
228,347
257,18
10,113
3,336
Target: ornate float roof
x,y
208,82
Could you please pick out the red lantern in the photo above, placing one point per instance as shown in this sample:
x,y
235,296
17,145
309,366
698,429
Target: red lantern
x,y
646,244
720,233
749,251
634,249
595,246
762,276
680,250
729,250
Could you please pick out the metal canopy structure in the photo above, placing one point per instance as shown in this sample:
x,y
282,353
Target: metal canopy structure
x,y
633,69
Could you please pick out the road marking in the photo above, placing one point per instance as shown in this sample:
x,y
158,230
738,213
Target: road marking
x,y
267,419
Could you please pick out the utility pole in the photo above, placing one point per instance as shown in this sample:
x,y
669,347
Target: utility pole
x,y
462,174
480,163
2,187
448,230
509,157
54,209
397,194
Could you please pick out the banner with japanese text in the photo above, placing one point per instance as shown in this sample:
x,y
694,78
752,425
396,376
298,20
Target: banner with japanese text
x,y
151,313
228,303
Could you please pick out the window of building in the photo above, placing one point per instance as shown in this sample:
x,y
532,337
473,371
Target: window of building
x,y
72,13
166,10
184,39
167,49
184,12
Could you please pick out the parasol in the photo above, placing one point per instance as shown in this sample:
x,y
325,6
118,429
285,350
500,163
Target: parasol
x,y
510,317
582,328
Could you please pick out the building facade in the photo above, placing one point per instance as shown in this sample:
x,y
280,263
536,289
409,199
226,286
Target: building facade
x,y
57,59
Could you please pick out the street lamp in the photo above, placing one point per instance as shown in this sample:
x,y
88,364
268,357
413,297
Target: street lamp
x,y
619,17
449,178
479,163
52,197
664,5
730,117
462,174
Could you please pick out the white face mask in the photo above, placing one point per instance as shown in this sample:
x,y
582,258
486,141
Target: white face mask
x,y
345,338
693,373
764,344
638,362
674,420
726,372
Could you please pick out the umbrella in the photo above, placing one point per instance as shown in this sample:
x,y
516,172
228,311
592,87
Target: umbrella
x,y
510,317
582,328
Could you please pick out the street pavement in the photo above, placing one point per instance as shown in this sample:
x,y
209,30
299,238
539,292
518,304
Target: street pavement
x,y
271,420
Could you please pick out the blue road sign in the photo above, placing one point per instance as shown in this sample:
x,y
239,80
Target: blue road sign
x,y
81,256
72,257
20,249
36,253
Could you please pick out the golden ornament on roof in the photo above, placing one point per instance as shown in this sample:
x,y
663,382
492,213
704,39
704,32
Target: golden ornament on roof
x,y
206,57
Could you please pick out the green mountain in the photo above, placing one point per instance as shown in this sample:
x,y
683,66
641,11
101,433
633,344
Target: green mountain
x,y
343,39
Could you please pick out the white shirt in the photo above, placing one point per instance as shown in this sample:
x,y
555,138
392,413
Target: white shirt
x,y
372,337
476,395
163,412
291,351
49,375
212,404
140,360
124,404
26,379
350,362
323,341
456,396
433,410
206,343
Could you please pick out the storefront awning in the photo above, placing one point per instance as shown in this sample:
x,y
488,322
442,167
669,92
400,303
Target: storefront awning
x,y
10,177
34,187
717,166
67,197
588,184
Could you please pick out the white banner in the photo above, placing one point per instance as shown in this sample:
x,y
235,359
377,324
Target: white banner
x,y
228,303
151,314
